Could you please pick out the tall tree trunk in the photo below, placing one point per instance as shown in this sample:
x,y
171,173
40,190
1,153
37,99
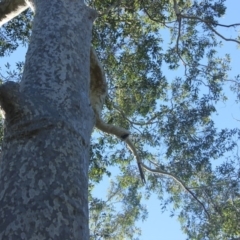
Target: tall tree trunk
x,y
44,166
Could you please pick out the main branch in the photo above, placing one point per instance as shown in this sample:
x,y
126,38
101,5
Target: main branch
x,y
164,173
98,93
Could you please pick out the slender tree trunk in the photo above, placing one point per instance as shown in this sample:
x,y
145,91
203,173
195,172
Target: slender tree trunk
x,y
44,166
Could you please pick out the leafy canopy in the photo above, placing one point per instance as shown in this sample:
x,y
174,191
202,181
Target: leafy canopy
x,y
165,80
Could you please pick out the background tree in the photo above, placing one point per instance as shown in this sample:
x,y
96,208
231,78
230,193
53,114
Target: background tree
x,y
170,117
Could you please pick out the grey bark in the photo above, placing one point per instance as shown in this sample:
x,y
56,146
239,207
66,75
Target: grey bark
x,y
49,120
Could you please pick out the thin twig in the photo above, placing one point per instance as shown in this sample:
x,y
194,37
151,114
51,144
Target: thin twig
x,y
231,25
157,21
136,123
160,172
177,44
179,19
135,153
209,25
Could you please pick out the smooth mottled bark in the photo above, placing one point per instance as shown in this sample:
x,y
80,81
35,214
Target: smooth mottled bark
x,y
44,166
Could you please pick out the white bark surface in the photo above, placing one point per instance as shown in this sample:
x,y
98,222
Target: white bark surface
x,y
49,120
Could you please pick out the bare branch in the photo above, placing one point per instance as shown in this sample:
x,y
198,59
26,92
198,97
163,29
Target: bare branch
x,y
179,19
156,20
211,27
160,172
9,9
136,155
98,93
177,43
227,26
123,134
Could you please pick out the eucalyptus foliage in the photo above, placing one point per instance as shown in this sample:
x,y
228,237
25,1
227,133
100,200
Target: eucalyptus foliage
x,y
165,79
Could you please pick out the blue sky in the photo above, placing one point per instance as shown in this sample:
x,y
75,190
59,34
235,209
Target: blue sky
x,y
159,226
